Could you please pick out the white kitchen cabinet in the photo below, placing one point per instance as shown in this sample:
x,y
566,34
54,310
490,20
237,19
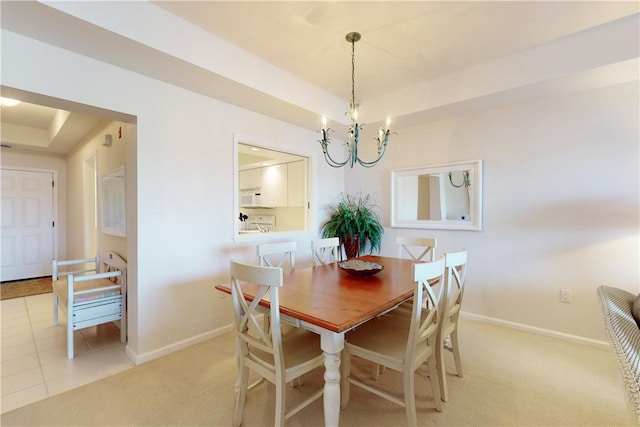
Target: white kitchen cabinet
x,y
274,186
250,178
296,183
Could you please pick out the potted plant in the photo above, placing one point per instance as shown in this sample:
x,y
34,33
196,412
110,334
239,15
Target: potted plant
x,y
355,221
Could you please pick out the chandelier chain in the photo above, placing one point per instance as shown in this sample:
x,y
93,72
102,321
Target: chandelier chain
x,y
353,73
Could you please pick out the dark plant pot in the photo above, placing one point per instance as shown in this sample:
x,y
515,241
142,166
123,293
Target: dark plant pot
x,y
351,245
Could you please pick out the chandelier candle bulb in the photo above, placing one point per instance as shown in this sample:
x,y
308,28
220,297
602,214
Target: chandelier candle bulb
x,y
324,127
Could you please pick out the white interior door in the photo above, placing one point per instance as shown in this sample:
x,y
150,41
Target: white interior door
x,y
27,224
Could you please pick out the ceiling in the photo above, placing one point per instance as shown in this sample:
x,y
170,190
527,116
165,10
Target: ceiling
x,y
39,128
417,60
403,43
251,156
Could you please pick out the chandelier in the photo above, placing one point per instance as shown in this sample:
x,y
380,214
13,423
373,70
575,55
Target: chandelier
x,y
354,127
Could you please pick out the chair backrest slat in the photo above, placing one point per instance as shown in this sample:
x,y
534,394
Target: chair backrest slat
x,y
89,266
425,318
111,262
418,248
454,282
246,314
269,252
325,251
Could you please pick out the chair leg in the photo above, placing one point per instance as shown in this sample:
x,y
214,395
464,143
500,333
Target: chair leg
x,y
410,397
435,382
266,323
345,372
238,366
456,352
241,394
377,371
69,329
69,339
123,325
440,367
55,310
280,402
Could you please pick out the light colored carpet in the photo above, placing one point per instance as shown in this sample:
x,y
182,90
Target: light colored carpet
x,y
511,378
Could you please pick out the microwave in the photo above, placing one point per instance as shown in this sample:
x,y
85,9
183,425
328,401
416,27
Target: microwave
x,y
250,198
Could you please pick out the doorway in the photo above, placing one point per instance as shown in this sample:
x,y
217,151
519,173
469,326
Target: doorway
x,y
27,223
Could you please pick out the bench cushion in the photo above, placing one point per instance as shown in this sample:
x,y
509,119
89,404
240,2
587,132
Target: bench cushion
x,y
60,288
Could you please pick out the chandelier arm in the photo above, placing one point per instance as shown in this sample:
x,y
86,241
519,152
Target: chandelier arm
x,y
374,162
332,162
324,142
466,182
451,181
369,164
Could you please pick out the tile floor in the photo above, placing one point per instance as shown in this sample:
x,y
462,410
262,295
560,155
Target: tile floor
x,y
34,355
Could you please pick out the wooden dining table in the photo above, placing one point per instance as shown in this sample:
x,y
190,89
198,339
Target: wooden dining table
x,y
330,301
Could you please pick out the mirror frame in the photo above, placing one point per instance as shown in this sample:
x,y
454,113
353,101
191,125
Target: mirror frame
x,y
475,206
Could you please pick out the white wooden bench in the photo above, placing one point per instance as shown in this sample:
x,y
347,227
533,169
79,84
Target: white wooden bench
x,y
88,295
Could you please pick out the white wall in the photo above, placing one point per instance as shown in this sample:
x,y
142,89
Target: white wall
x,y
561,197
180,174
108,159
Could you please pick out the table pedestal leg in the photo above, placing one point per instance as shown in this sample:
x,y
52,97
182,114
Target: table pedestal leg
x,y
332,345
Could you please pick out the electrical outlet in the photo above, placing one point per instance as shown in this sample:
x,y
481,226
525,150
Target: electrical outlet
x,y
565,295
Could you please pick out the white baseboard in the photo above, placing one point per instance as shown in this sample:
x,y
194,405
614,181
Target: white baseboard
x,y
146,357
139,359
534,330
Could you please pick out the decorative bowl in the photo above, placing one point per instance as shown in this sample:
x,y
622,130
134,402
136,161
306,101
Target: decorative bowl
x,y
358,267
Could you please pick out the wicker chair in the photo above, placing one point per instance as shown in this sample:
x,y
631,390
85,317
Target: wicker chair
x,y
624,336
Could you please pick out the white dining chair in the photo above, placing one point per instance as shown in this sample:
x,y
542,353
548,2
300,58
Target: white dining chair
x,y
277,254
456,270
400,343
325,251
453,291
271,355
418,248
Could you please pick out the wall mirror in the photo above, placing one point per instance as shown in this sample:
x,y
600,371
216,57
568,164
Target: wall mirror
x,y
446,196
271,190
